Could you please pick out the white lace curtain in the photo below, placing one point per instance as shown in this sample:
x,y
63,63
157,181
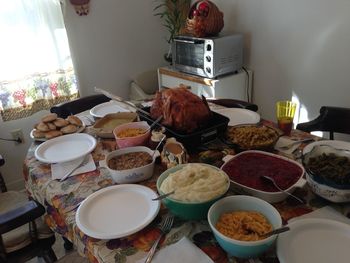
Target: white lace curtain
x,y
36,70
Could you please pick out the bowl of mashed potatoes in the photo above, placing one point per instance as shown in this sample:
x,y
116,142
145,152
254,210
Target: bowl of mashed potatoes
x,y
196,187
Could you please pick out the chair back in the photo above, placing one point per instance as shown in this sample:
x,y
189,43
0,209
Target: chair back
x,y
331,119
2,182
65,109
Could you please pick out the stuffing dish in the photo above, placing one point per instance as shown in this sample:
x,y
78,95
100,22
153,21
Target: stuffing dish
x,y
250,137
129,161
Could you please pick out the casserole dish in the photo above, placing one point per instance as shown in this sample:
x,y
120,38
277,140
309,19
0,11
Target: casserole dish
x,y
246,168
104,127
132,175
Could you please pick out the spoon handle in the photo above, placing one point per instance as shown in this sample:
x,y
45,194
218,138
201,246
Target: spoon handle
x,y
163,196
277,231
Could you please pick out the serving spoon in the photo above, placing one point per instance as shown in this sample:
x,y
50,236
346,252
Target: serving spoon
x,y
163,196
276,231
271,180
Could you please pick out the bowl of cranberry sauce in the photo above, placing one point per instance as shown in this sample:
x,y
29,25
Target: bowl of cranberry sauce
x,y
246,171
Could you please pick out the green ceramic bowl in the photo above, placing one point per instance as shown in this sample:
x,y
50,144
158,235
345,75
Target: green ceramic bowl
x,y
187,210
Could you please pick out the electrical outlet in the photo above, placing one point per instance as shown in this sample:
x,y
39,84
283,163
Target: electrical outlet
x,y
17,135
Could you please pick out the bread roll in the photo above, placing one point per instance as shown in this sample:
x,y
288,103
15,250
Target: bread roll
x,y
38,134
69,129
51,126
59,122
52,134
49,117
74,120
42,127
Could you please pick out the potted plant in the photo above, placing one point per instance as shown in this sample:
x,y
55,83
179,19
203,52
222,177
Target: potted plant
x,y
173,13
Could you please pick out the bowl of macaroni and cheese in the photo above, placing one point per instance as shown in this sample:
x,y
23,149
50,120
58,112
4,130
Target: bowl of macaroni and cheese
x,y
132,134
239,223
197,186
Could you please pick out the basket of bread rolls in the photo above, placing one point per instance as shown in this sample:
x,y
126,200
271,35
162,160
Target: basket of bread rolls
x,y
52,126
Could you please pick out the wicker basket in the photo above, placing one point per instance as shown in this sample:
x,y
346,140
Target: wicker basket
x,y
200,26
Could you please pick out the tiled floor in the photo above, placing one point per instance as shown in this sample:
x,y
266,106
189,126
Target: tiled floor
x,y
63,257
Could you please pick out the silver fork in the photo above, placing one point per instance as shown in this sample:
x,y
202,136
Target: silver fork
x,y
164,228
84,161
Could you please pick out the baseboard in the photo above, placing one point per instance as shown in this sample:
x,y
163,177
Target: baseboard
x,y
17,185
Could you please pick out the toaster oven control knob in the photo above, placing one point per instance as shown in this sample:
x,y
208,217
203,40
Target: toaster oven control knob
x,y
208,70
208,58
208,47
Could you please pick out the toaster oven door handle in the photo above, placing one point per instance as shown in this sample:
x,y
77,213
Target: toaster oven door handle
x,y
189,41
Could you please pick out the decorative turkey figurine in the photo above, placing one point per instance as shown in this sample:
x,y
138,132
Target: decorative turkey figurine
x,y
204,19
81,6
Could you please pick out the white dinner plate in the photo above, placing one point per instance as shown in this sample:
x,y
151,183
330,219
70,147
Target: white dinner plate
x,y
336,144
44,139
239,116
314,241
117,211
65,148
100,110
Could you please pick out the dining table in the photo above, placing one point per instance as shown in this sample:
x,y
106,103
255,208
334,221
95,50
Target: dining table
x,y
62,198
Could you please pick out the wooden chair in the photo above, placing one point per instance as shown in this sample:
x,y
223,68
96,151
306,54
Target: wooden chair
x,y
23,234
65,109
331,119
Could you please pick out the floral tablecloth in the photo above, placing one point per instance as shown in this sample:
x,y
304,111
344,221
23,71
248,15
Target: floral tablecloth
x,y
62,198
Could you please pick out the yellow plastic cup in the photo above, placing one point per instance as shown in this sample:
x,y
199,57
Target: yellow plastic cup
x,y
285,111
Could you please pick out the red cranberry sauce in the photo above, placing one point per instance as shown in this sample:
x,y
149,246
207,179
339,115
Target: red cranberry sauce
x,y
247,170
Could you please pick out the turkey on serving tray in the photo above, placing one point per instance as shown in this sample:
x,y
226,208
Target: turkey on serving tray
x,y
181,109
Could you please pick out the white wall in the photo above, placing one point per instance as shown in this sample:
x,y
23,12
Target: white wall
x,y
13,153
296,48
116,41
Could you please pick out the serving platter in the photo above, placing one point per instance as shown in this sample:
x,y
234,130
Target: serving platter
x,y
239,116
117,211
31,135
112,106
65,148
314,241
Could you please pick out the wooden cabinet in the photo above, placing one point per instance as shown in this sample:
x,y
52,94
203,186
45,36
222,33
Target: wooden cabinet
x,y
233,86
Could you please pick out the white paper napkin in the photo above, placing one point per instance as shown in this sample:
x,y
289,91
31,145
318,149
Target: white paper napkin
x,y
283,141
58,170
326,212
183,251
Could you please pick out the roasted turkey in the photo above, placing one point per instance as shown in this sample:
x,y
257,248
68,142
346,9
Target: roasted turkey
x,y
181,109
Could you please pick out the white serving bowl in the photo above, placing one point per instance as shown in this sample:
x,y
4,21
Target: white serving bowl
x,y
271,197
324,190
332,194
133,175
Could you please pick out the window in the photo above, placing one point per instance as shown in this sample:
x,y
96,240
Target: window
x,y
36,69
